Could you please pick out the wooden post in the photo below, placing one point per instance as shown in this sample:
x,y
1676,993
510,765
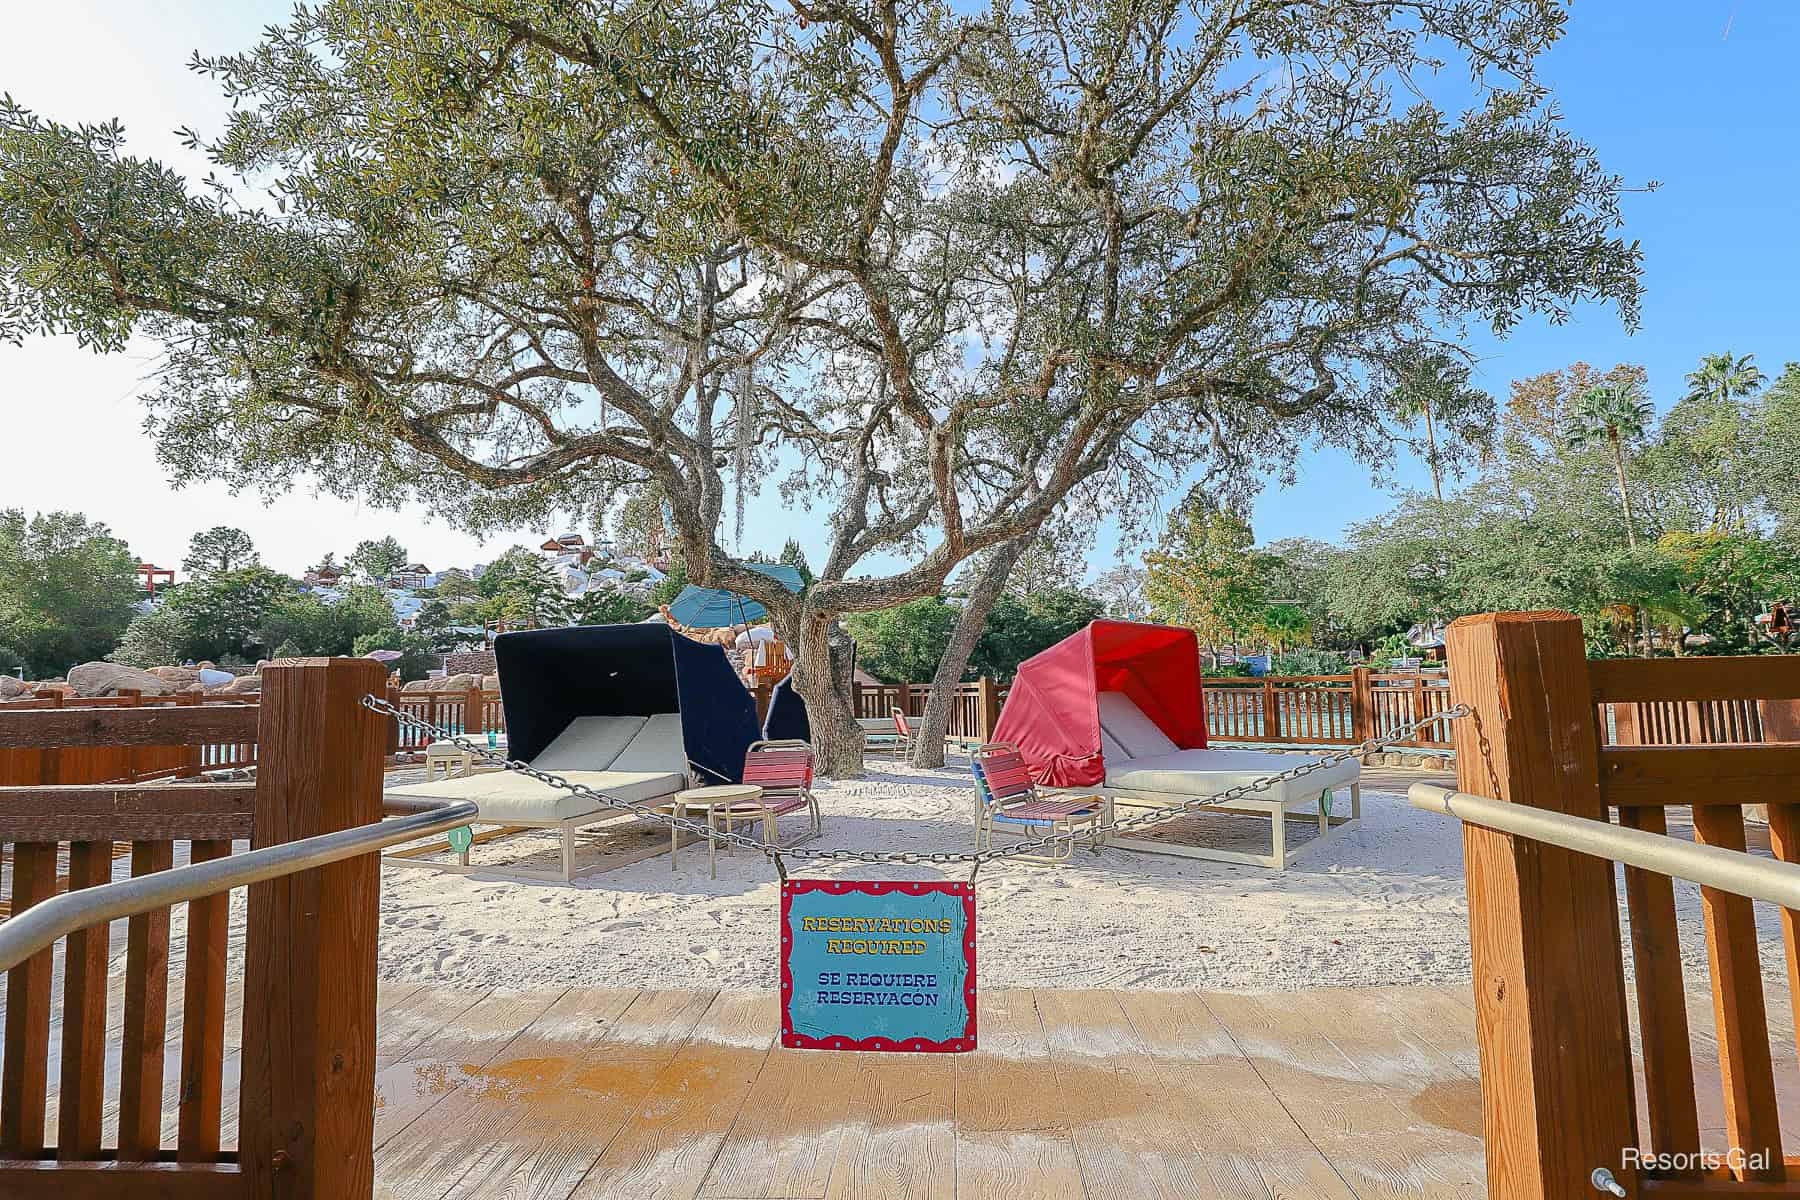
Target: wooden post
x,y
393,726
990,706
307,1106
1271,711
856,700
473,720
1556,1075
1362,705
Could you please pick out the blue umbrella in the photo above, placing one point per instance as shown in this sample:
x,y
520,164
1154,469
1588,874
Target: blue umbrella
x,y
713,608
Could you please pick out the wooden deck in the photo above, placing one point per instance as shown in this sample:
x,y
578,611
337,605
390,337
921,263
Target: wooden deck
x,y
603,1093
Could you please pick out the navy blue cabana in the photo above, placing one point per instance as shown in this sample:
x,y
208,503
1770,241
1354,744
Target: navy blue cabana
x,y
548,677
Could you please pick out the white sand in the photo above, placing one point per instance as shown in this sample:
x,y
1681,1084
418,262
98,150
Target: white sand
x,y
1383,904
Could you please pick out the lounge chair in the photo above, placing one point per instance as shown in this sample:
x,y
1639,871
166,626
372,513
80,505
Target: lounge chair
x,y
641,759
784,771
1145,769
903,734
1005,795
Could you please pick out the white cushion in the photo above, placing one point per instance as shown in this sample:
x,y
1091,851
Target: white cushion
x,y
1136,733
658,746
1113,752
588,744
510,798
1209,772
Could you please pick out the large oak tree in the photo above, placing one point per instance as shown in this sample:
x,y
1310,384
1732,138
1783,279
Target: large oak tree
x,y
928,267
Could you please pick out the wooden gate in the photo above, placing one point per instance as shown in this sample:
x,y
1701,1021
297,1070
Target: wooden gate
x,y
1552,731
305,1059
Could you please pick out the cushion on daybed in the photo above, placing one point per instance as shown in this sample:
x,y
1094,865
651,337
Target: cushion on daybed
x,y
1209,772
658,746
1112,751
1135,733
588,744
511,798
632,758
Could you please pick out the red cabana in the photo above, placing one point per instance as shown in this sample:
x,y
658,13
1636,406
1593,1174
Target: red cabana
x,y
1052,711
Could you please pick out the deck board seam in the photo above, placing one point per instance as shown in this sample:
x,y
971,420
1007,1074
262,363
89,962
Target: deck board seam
x,y
1277,1097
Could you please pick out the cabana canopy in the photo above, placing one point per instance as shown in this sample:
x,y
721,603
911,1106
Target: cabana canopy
x,y
713,608
1052,710
549,677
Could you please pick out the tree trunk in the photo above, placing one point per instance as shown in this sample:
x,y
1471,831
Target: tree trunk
x,y
928,737
1437,479
822,670
1618,449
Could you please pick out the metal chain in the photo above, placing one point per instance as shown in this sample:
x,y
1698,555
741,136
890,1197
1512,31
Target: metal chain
x,y
1153,816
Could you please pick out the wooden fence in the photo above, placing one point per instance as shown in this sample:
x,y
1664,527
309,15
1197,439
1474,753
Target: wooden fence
x,y
1325,710
1616,740
305,1073
973,714
121,764
474,711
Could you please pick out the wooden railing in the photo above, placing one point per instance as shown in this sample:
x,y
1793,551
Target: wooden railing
x,y
974,712
1550,730
305,1094
120,764
1325,710
470,712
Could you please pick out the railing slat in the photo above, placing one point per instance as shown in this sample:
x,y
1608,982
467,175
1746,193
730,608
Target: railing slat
x,y
82,1086
203,1019
146,1013
25,1074
104,812
1752,1120
1662,999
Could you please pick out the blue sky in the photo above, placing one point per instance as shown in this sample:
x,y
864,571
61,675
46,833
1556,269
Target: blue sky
x,y
1658,86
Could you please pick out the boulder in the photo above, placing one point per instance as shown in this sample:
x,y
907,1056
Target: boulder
x,y
108,679
450,683
243,684
180,677
13,689
490,683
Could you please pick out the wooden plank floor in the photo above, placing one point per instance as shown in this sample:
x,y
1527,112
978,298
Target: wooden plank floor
x,y
1342,1093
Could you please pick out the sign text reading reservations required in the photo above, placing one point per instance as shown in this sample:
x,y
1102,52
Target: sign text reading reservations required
x,y
877,966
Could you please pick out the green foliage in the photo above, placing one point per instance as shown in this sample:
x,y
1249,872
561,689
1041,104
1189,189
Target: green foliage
x,y
417,658
158,638
1283,626
1309,660
520,588
223,615
1234,670
903,644
378,559
608,608
671,586
218,550
67,590
302,624
1018,628
794,556
1205,575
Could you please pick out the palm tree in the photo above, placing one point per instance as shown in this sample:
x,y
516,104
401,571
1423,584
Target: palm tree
x,y
1722,377
1611,415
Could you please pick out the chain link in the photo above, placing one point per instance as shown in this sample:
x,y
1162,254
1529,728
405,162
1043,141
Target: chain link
x,y
1152,816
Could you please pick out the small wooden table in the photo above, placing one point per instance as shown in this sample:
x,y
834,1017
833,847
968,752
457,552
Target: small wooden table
x,y
726,800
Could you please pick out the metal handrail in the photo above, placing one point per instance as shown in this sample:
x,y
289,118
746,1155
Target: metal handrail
x,y
44,924
1731,871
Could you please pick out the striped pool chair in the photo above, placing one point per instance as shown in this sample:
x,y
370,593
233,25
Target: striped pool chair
x,y
784,771
1006,795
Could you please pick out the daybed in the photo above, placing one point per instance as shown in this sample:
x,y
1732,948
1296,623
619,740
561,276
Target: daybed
x,y
1117,709
635,711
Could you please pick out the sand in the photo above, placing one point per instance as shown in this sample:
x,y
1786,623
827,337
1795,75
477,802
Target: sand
x,y
1382,904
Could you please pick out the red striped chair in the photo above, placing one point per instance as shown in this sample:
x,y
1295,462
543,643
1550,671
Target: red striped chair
x,y
1005,795
903,734
784,771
